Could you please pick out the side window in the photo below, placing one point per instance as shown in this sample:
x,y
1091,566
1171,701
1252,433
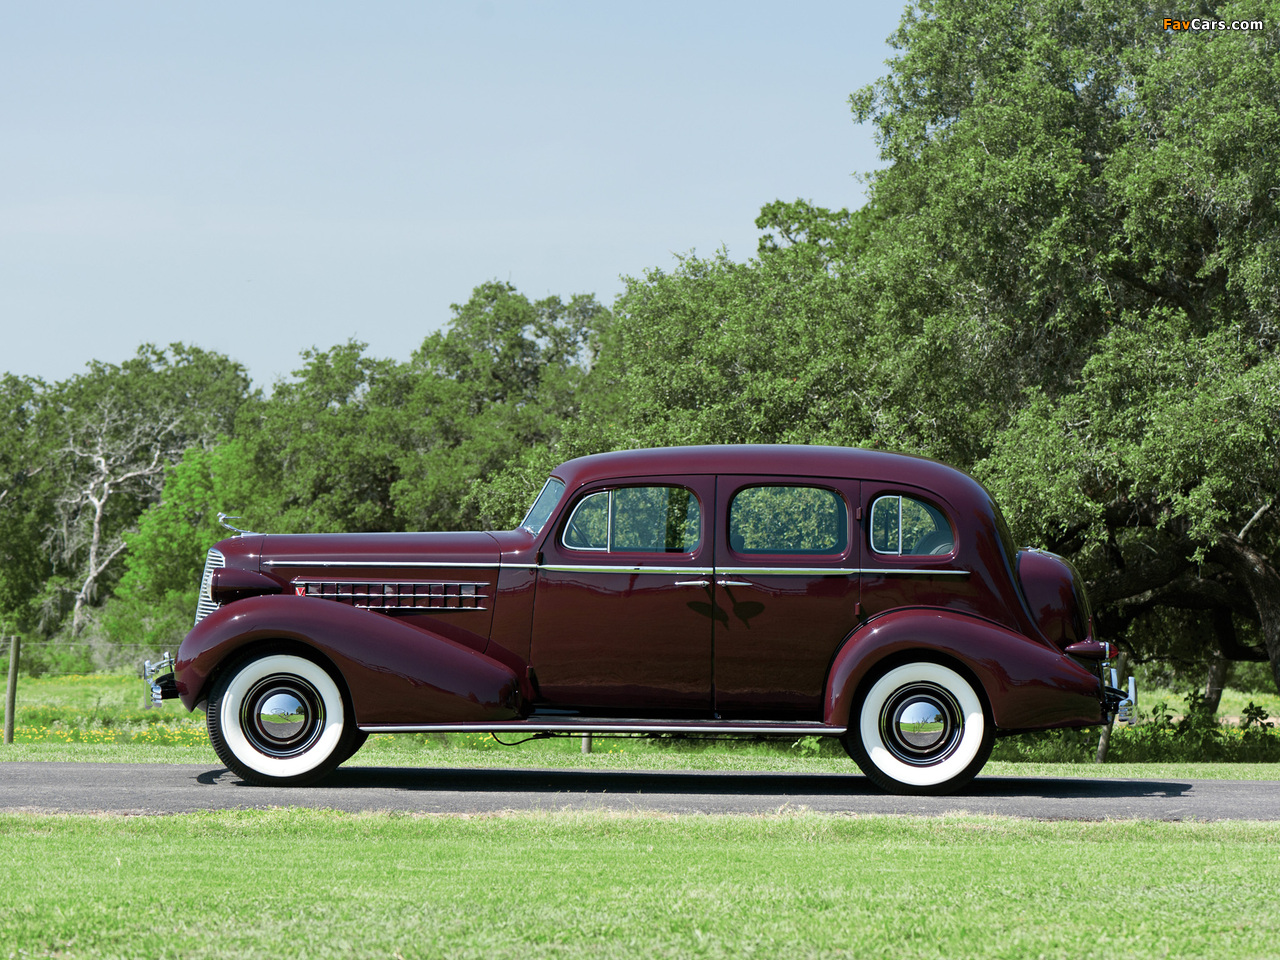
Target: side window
x,y
654,520
909,527
588,527
636,520
779,519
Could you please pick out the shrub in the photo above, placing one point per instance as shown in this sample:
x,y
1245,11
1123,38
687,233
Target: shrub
x,y
1253,677
1195,738
38,659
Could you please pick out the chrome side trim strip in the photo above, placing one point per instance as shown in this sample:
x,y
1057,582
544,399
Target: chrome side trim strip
x,y
922,572
385,563
749,571
783,728
788,571
833,571
625,568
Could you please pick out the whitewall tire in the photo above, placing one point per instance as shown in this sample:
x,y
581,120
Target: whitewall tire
x,y
279,720
921,728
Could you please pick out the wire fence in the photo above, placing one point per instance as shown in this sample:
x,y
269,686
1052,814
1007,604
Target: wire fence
x,y
60,658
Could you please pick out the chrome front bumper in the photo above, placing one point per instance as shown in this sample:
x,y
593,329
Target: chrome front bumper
x,y
159,676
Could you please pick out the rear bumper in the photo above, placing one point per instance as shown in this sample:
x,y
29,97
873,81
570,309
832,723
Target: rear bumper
x,y
1121,705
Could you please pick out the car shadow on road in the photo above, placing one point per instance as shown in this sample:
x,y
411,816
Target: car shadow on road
x,y
449,779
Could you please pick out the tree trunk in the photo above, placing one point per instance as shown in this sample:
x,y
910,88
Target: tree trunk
x,y
1104,744
1260,579
1213,685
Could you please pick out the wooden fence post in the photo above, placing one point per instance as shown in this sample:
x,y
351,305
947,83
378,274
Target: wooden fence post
x,y
11,691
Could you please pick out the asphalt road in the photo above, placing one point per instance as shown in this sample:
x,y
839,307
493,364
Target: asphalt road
x,y
182,788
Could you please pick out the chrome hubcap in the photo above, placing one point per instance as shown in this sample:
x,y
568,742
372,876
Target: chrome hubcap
x,y
921,724
282,716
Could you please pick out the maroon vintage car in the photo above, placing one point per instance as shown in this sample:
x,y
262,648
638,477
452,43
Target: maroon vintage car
x,y
764,590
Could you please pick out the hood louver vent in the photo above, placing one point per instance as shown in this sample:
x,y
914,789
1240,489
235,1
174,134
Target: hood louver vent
x,y
382,595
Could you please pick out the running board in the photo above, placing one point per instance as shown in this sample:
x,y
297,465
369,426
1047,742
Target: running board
x,y
579,725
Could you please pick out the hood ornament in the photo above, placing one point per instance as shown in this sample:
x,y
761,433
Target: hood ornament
x,y
223,518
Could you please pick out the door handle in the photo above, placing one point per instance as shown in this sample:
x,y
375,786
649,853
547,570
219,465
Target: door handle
x,y
693,583
733,583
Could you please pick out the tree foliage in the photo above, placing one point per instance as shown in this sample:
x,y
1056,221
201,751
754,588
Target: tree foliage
x,y
504,376
81,460
1079,216
356,443
1064,281
26,496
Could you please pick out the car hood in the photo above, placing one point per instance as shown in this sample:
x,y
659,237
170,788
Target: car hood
x,y
318,551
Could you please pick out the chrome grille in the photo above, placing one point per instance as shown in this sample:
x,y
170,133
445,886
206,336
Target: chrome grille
x,y
205,605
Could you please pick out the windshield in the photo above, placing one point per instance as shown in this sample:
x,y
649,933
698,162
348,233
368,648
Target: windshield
x,y
540,512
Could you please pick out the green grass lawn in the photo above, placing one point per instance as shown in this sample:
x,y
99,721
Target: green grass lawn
x,y
101,717
405,751
300,883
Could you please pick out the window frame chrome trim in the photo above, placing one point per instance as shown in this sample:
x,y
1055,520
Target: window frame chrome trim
x,y
608,548
550,480
898,553
794,483
608,523
871,525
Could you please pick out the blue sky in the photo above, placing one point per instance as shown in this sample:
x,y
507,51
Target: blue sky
x,y
261,178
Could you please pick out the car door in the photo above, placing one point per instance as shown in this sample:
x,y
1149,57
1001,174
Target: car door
x,y
622,613
787,592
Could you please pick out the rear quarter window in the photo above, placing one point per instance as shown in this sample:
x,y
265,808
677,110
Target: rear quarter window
x,y
906,526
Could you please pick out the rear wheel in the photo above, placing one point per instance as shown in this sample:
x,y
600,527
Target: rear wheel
x,y
280,720
921,729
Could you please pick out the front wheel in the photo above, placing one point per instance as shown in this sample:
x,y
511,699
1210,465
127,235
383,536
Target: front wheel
x,y
279,720
921,729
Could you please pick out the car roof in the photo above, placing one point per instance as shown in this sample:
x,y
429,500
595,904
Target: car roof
x,y
765,459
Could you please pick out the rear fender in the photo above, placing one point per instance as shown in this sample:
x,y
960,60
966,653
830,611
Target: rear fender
x,y
1028,685
395,672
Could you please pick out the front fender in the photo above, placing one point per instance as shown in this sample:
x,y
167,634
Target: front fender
x,y
395,672
1028,685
